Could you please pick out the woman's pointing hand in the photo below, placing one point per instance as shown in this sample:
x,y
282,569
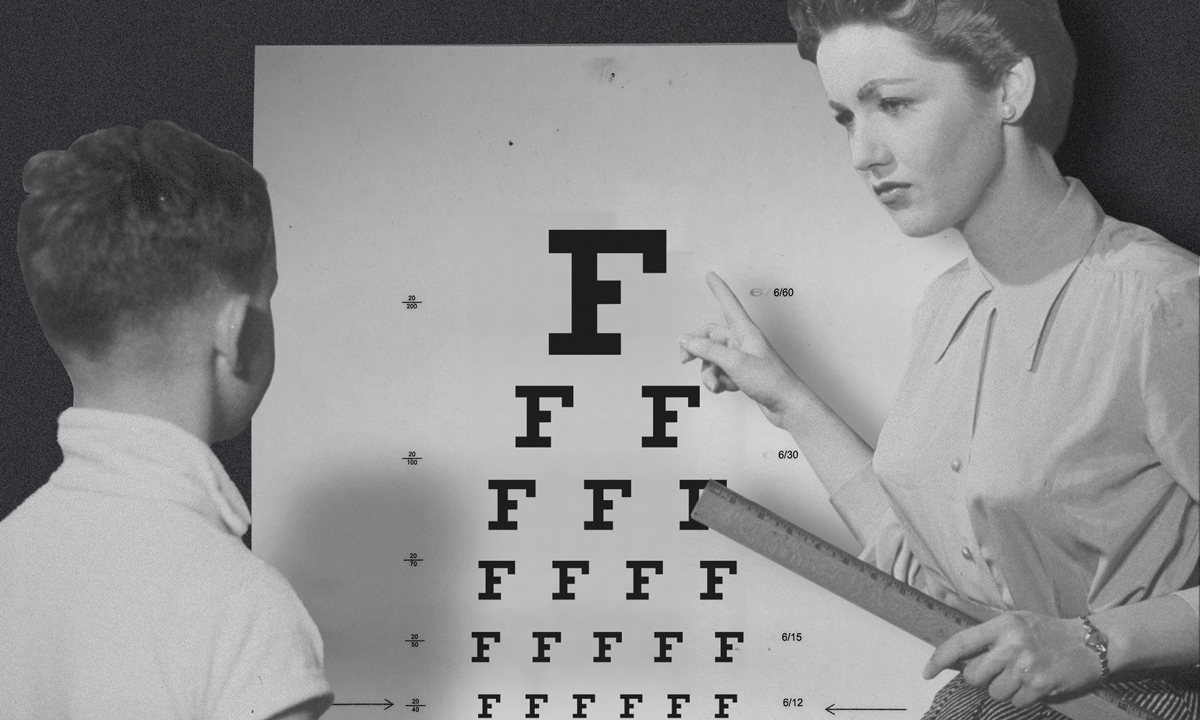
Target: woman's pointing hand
x,y
737,356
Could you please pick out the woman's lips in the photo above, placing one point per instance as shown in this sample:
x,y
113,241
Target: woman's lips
x,y
891,193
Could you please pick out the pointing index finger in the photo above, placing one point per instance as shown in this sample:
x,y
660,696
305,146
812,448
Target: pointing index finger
x,y
731,307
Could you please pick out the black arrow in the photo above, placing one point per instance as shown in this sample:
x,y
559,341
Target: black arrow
x,y
831,708
386,703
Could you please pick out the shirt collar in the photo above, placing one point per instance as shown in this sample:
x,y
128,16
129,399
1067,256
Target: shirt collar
x,y
1027,309
137,456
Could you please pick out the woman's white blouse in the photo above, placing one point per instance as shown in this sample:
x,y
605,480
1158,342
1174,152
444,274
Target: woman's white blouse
x,y
1042,451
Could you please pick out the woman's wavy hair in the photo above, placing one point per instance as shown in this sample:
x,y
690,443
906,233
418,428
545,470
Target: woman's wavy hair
x,y
126,225
985,37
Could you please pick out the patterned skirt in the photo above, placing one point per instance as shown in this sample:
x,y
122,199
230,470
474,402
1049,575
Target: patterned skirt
x,y
1172,695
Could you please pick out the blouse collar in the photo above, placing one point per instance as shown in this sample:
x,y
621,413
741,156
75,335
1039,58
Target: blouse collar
x,y
137,456
1065,239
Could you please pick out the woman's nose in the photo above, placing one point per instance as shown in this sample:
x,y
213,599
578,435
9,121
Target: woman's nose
x,y
867,149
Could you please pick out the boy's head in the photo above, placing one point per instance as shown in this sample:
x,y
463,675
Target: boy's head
x,y
128,232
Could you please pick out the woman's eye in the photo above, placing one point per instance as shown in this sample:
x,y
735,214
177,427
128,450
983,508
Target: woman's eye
x,y
844,118
892,106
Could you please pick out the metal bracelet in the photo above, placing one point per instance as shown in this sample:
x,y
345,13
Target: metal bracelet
x,y
1098,643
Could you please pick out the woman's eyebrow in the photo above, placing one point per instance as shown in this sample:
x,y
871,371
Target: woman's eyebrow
x,y
870,88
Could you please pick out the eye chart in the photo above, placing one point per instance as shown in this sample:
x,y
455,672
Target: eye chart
x,y
477,460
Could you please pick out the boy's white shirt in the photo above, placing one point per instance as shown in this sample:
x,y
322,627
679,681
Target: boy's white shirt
x,y
125,590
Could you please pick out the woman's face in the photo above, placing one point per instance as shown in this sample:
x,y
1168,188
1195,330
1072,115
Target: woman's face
x,y
926,140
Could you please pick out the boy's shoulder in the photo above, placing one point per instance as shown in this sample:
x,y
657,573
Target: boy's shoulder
x,y
154,589
131,557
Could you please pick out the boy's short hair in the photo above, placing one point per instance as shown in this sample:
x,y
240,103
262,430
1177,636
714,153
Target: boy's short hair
x,y
127,225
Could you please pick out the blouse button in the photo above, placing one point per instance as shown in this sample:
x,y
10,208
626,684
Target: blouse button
x,y
956,464
966,552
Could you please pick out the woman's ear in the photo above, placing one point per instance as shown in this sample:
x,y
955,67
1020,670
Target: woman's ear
x,y
1017,90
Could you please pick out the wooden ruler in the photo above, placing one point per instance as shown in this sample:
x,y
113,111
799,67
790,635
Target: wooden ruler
x,y
875,591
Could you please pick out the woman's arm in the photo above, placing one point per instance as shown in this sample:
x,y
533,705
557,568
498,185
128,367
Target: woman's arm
x,y
1162,632
1023,657
739,357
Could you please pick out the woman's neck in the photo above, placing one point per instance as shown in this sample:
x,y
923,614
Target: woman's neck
x,y
1004,231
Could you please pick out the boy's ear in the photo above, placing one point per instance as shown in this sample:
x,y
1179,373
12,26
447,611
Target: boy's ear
x,y
231,322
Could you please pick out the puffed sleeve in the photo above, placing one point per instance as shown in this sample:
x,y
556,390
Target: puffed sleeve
x,y
1171,387
1171,381
268,656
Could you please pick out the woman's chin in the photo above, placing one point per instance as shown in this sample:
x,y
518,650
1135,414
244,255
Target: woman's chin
x,y
915,224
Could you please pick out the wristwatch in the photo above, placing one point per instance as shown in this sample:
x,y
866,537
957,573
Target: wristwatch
x,y
1098,643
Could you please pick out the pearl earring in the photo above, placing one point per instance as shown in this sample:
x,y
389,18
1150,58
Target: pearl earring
x,y
1009,112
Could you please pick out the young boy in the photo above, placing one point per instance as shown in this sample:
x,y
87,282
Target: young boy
x,y
125,590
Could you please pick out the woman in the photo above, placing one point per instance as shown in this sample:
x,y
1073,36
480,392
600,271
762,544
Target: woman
x,y
1041,456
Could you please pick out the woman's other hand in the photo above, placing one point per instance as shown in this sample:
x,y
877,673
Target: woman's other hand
x,y
737,356
1021,657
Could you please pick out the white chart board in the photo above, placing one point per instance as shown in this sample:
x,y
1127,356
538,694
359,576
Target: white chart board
x,y
415,191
